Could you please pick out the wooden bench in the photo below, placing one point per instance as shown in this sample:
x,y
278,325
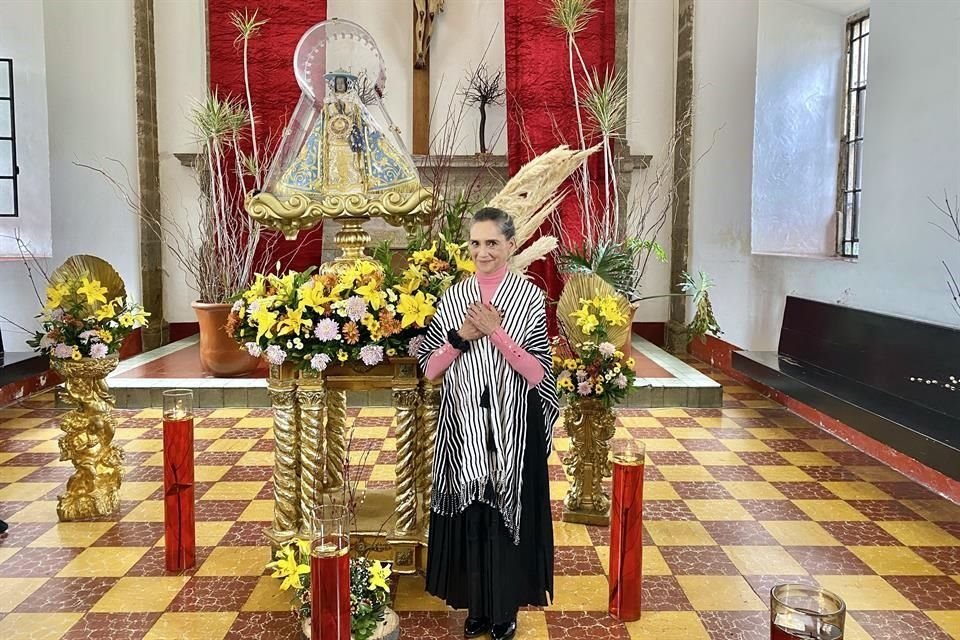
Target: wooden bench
x,y
870,371
19,365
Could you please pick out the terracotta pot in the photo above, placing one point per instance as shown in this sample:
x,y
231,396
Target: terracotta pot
x,y
220,355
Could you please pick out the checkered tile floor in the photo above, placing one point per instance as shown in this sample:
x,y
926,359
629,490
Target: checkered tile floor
x,y
737,499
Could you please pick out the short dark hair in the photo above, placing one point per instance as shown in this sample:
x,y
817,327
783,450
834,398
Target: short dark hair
x,y
500,217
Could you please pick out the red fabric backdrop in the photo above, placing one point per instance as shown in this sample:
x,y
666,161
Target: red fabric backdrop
x,y
540,110
274,88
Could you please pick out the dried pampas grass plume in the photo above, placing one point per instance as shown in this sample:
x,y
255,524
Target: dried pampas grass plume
x,y
531,196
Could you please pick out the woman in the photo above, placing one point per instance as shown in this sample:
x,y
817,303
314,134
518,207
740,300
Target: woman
x,y
491,536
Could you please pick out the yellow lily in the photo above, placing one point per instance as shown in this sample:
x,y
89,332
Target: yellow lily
x,y
287,567
265,320
378,576
416,309
373,295
93,291
106,312
55,295
424,256
293,322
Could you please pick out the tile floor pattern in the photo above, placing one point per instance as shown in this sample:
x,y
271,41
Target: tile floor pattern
x,y
737,499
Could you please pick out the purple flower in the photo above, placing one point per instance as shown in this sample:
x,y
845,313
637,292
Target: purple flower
x,y
621,381
327,329
371,354
253,349
275,355
414,345
607,349
581,375
356,308
319,362
584,388
98,351
62,351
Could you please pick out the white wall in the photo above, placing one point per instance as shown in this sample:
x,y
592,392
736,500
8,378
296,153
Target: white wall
x,y
909,154
21,38
796,142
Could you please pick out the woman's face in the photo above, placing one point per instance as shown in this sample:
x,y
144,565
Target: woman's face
x,y
489,248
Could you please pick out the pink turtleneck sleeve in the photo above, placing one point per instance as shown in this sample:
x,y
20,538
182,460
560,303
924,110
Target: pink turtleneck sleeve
x,y
518,358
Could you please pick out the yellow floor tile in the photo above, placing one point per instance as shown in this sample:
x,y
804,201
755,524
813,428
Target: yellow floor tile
x,y
37,511
561,445
580,593
50,446
753,561
190,625
366,433
668,412
707,510
209,534
37,626
808,459
746,445
72,534
659,490
895,561
531,625
558,488
138,490
718,458
209,473
140,594
935,510
13,591
385,472
147,511
255,423
689,433
720,593
568,534
102,562
876,473
604,554
800,534
201,432
856,491
38,434
685,473
4,456
156,460
920,534
866,593
26,491
829,444
782,473
235,561
668,625
830,510
949,621
235,412
377,412
640,422
742,413
24,423
653,562
747,490
12,474
150,414
666,533
144,445
412,596
663,444
256,459
6,552
770,433
129,434
266,596
258,511
234,490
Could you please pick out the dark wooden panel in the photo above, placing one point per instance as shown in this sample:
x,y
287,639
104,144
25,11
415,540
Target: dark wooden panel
x,y
877,350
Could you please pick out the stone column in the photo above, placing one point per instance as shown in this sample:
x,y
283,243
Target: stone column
x,y
148,170
680,234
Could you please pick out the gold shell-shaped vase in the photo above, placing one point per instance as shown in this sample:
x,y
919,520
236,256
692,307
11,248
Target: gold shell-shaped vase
x,y
583,286
93,268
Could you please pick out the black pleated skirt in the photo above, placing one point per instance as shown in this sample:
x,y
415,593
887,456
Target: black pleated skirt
x,y
472,562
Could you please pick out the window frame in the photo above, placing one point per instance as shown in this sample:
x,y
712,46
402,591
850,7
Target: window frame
x,y
9,100
850,187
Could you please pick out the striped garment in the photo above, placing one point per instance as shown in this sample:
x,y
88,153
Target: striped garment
x,y
476,445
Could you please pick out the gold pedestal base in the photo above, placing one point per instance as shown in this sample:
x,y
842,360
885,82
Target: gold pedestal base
x,y
596,518
590,425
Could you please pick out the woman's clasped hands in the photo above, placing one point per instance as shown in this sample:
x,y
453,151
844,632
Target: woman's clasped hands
x,y
481,320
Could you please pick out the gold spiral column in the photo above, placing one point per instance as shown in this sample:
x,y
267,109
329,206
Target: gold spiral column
x,y
590,425
286,485
312,401
406,402
427,415
336,439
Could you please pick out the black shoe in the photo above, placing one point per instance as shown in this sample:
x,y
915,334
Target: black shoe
x,y
475,627
504,631
3,526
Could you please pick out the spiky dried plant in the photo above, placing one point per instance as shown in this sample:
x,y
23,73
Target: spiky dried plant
x,y
951,211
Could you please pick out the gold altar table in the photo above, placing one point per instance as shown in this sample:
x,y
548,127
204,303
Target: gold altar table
x,y
311,460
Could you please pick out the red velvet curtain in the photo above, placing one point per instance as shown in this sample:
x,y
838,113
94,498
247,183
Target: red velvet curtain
x,y
540,107
274,88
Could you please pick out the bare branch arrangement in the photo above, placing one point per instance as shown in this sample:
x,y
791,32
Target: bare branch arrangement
x,y
951,211
482,89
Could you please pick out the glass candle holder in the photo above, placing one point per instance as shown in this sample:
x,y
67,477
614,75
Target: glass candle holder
x,y
180,536
802,612
626,529
330,574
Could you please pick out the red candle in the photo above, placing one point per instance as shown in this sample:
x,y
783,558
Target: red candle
x,y
626,529
330,575
180,536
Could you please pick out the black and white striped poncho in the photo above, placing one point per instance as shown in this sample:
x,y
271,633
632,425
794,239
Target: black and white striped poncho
x,y
475,445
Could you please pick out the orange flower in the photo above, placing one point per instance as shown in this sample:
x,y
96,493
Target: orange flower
x,y
437,265
351,333
389,324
